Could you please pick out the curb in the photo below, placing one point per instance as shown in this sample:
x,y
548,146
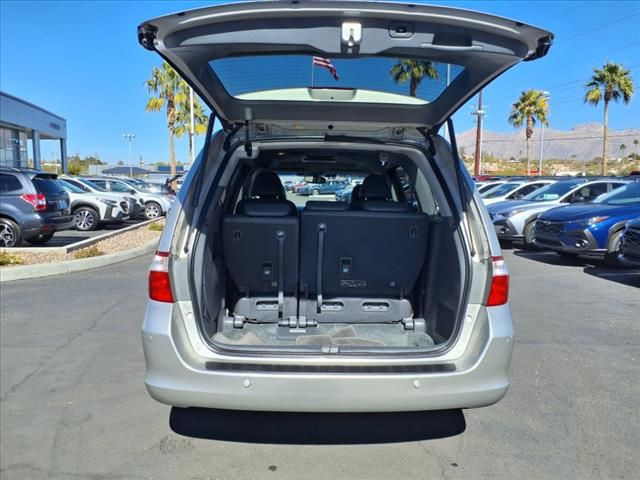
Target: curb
x,y
72,247
11,274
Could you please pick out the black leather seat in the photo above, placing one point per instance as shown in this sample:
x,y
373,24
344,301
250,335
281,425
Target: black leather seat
x,y
375,252
261,249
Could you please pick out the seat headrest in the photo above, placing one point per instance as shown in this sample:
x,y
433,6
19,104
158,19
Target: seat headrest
x,y
376,187
267,185
254,207
356,194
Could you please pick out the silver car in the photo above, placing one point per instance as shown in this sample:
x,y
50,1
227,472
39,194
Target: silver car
x,y
396,301
515,219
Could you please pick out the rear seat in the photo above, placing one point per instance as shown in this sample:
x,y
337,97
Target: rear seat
x,y
261,248
364,262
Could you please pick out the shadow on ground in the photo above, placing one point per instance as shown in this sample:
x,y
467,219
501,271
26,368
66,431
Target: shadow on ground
x,y
590,266
315,428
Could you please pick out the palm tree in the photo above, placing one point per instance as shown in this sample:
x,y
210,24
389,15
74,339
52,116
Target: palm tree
x,y
413,71
623,147
611,82
183,121
635,148
532,106
164,85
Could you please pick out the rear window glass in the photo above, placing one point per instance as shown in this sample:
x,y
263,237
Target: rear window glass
x,y
47,184
9,183
373,79
553,191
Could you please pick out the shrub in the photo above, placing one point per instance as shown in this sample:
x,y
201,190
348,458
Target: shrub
x,y
156,227
88,252
7,259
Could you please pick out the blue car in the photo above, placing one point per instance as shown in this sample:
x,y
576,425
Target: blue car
x,y
592,228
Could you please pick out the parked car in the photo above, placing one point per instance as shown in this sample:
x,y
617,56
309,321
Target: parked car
x,y
33,207
513,190
592,228
484,187
134,203
152,187
90,209
515,219
154,206
630,243
323,188
254,306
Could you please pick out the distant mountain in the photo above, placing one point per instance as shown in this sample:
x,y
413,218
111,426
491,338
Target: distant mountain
x,y
584,141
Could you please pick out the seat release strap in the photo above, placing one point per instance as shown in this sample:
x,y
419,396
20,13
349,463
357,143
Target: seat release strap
x,y
322,228
280,236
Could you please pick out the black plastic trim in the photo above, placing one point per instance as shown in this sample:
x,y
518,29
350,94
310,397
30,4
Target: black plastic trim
x,y
348,369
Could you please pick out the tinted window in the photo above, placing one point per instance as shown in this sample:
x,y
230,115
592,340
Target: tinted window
x,y
553,191
76,184
120,187
9,183
46,184
100,183
500,190
69,187
527,189
589,192
626,195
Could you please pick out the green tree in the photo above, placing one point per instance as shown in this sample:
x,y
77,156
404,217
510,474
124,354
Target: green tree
x,y
164,87
532,106
623,147
413,71
635,148
120,163
611,82
183,121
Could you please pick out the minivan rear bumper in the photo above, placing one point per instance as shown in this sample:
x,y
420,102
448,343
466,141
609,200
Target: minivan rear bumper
x,y
173,380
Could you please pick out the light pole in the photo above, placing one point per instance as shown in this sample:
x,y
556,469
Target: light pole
x,y
129,137
546,95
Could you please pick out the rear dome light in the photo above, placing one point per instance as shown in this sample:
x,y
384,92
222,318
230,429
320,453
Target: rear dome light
x,y
38,201
499,291
159,282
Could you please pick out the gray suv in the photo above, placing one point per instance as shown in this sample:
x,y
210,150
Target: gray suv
x,y
263,300
33,206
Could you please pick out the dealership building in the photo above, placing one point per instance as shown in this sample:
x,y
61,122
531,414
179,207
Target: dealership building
x,y
22,126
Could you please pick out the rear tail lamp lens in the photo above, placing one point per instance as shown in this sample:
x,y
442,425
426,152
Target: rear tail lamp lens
x,y
38,201
159,282
499,291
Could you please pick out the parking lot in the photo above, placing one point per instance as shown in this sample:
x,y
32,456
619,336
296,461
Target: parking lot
x,y
73,403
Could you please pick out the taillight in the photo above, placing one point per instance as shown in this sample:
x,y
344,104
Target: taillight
x,y
499,291
159,283
38,201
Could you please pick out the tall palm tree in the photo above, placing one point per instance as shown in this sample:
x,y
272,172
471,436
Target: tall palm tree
x,y
623,147
532,106
183,121
164,87
413,71
611,82
635,148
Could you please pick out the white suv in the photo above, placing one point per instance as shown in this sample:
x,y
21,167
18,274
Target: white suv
x,y
395,301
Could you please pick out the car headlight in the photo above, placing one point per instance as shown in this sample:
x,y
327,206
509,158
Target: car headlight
x,y
108,202
511,213
592,221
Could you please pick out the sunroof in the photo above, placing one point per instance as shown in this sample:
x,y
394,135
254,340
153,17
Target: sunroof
x,y
288,77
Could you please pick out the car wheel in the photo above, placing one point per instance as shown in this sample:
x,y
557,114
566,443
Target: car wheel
x,y
315,192
86,219
40,239
528,235
9,233
152,210
612,257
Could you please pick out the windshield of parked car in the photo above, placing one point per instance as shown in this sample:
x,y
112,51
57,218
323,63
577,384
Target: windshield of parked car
x,y
94,186
69,187
553,191
489,186
626,195
501,190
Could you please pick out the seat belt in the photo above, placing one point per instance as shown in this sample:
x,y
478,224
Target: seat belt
x,y
322,228
280,236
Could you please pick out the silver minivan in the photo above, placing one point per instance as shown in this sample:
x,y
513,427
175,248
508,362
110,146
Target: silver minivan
x,y
262,299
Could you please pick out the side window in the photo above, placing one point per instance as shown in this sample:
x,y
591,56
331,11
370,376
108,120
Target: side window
x,y
100,183
119,187
523,191
9,183
595,191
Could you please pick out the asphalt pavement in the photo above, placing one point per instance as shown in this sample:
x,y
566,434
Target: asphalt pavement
x,y
73,404
67,237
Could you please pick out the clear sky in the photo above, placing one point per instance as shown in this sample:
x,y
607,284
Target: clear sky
x,y
81,60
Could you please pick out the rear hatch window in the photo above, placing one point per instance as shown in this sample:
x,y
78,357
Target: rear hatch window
x,y
47,184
